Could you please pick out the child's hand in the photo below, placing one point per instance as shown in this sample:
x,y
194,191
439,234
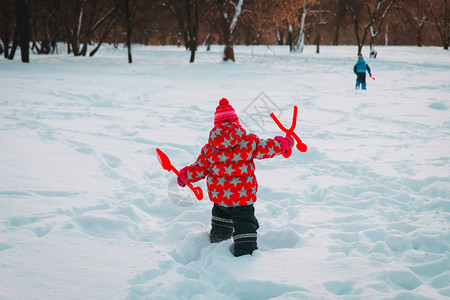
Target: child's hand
x,y
290,141
180,183
286,142
182,179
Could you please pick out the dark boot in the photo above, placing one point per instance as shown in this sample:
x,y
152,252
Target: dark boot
x,y
221,223
219,234
245,226
243,248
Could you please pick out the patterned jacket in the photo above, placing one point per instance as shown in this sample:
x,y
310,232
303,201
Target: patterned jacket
x,y
227,161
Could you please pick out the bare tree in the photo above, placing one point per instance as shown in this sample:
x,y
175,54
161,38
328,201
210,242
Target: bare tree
x,y
263,22
291,17
441,16
186,13
418,13
6,24
134,14
176,7
301,38
192,25
368,17
45,28
84,21
126,9
340,15
21,31
321,17
70,15
229,13
107,21
23,26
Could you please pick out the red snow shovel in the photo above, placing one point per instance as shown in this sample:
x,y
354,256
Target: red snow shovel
x,y
290,132
165,163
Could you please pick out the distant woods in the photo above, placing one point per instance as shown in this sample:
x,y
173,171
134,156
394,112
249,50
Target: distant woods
x,y
38,25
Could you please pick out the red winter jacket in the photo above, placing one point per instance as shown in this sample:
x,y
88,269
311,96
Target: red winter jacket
x,y
227,160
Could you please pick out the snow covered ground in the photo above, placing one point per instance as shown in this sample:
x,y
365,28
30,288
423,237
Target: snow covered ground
x,y
86,212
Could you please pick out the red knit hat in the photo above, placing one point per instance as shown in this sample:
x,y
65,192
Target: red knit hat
x,y
225,113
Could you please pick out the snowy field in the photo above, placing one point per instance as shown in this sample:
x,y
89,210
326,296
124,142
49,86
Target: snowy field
x,y
86,211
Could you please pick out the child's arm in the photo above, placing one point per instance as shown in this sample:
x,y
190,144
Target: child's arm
x,y
368,70
268,148
195,172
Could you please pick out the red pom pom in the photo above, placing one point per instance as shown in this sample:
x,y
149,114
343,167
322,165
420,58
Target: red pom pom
x,y
223,101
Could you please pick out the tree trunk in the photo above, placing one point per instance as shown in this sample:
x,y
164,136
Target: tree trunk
x,y
360,46
128,21
14,45
24,31
319,28
336,36
373,52
84,49
6,25
45,44
386,36
420,36
446,25
21,31
290,38
192,26
192,58
180,16
318,42
69,47
75,32
279,36
105,34
301,39
340,14
92,53
228,52
208,42
358,39
442,25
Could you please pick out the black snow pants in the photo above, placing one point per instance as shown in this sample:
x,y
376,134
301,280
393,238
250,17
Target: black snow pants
x,y
239,222
360,80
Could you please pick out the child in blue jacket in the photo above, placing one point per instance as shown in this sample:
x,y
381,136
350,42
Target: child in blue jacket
x,y
360,69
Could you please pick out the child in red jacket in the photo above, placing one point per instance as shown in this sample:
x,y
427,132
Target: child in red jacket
x,y
227,161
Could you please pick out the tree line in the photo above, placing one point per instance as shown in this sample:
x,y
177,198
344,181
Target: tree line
x,y
38,25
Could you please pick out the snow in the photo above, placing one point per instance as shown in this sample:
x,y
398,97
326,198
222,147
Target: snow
x,y
86,212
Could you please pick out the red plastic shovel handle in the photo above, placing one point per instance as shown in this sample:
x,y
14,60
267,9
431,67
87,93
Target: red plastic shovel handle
x,y
165,163
198,192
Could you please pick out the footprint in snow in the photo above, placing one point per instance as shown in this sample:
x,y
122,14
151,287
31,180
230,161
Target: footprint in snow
x,y
279,239
111,160
150,274
339,287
